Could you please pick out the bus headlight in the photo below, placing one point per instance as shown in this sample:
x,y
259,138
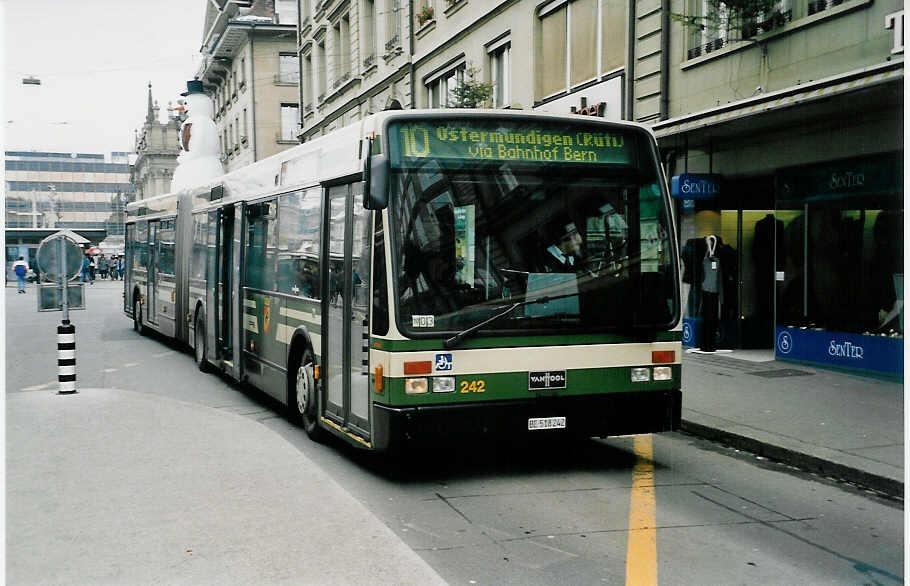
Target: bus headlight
x,y
663,373
444,384
416,386
641,375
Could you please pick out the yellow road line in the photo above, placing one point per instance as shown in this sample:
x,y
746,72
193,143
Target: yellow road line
x,y
641,551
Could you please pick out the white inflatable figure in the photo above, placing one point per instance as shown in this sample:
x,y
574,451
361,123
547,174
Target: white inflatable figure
x,y
199,160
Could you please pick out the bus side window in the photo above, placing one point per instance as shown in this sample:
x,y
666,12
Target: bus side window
x,y
140,260
380,295
260,251
300,217
166,247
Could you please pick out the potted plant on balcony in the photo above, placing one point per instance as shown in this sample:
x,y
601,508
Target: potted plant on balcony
x,y
425,15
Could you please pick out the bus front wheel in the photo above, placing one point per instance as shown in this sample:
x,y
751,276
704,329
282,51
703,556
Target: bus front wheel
x,y
303,398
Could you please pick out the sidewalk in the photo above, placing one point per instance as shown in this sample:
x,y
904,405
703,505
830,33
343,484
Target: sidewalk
x,y
841,425
116,487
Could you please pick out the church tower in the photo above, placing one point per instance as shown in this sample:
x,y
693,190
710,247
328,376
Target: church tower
x,y
157,146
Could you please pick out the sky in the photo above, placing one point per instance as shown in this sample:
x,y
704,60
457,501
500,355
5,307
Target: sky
x,y
95,59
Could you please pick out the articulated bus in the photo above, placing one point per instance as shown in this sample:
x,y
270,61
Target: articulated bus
x,y
430,272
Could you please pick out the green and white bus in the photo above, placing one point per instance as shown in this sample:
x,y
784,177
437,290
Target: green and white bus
x,y
430,272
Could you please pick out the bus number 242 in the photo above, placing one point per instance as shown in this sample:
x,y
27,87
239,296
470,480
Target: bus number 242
x,y
474,386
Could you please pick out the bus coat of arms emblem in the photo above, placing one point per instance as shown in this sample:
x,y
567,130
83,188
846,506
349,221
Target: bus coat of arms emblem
x,y
266,314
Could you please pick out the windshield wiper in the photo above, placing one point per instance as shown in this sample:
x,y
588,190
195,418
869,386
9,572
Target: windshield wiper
x,y
461,336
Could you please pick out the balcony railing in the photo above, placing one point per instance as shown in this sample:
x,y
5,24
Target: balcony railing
x,y
392,43
820,5
747,31
369,61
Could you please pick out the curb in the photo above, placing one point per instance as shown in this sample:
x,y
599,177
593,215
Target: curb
x,y
889,487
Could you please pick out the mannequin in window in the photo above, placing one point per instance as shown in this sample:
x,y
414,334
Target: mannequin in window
x,y
712,295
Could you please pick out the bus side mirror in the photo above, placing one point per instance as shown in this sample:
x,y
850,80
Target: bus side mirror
x,y
376,182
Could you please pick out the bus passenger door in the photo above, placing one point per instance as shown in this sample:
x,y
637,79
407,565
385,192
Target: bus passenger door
x,y
346,259
225,301
152,283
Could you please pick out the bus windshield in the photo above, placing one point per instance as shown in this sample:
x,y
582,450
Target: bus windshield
x,y
587,246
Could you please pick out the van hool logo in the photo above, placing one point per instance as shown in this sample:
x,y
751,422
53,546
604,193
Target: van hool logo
x,y
550,379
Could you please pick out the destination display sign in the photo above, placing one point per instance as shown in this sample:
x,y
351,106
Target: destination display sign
x,y
498,140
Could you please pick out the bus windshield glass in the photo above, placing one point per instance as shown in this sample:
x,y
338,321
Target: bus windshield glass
x,y
582,237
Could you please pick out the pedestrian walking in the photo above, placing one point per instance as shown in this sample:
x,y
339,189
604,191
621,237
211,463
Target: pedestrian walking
x,y
91,267
102,266
87,274
20,267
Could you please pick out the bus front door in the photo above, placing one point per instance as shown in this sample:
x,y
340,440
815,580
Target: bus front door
x,y
346,286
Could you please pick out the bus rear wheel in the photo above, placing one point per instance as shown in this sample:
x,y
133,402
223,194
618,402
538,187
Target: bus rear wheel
x,y
302,399
137,317
202,362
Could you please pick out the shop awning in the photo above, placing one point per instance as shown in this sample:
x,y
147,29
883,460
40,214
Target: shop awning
x,y
891,71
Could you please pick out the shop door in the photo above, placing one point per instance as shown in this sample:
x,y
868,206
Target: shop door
x,y
760,234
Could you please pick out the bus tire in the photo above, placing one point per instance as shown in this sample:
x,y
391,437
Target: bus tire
x,y
199,348
137,316
302,395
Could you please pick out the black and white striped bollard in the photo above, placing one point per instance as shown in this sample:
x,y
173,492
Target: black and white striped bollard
x,y
66,358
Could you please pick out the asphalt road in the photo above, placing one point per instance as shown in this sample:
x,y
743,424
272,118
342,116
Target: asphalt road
x,y
668,509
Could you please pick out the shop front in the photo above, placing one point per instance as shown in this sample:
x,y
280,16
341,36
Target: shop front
x,y
839,268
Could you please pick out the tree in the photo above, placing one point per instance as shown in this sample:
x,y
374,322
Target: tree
x,y
471,93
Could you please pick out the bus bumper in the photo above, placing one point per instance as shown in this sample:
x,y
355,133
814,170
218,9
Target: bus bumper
x,y
589,416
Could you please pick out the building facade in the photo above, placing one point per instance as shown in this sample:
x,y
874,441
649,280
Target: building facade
x,y
67,190
362,56
157,147
249,67
784,137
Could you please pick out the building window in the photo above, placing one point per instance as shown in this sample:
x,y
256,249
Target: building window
x,y
288,68
306,86
341,39
286,10
613,26
551,51
501,73
441,87
245,133
583,40
577,40
321,67
290,120
393,24
243,72
368,27
718,25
